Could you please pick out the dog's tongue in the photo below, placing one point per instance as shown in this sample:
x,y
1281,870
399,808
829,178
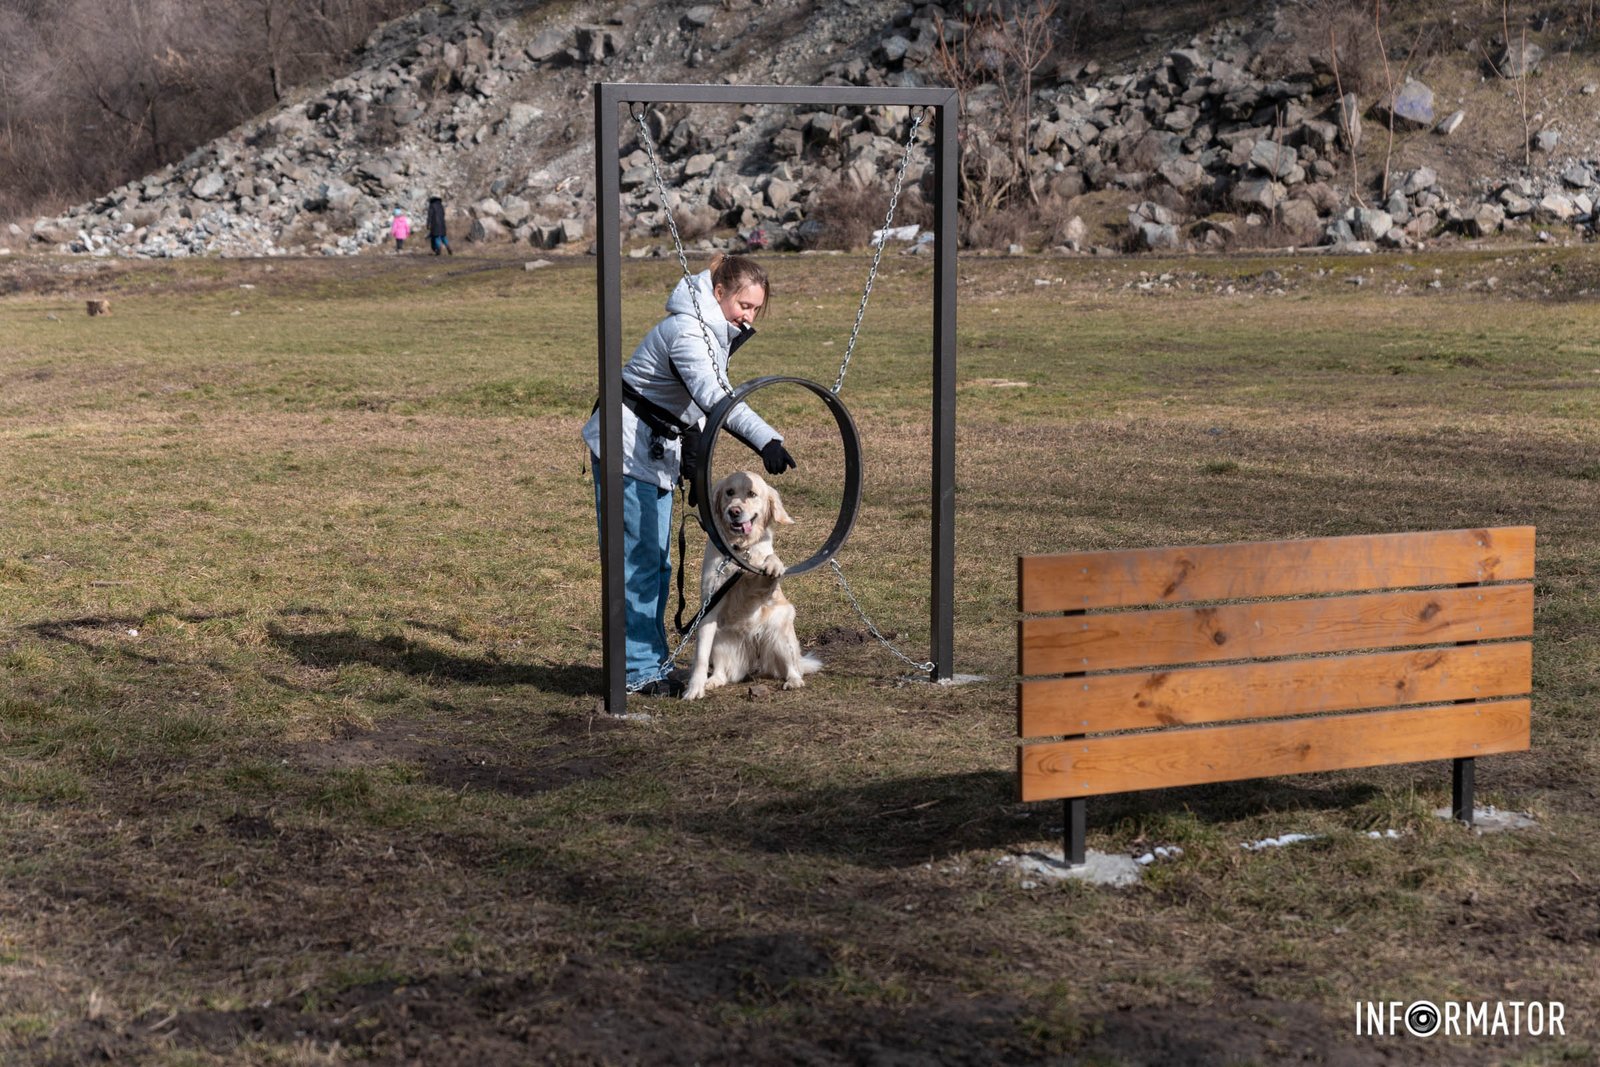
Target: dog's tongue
x,y
744,527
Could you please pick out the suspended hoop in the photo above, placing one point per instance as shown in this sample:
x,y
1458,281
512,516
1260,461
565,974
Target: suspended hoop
x,y
848,506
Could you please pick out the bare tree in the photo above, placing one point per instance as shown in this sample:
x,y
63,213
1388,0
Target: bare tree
x,y
997,51
93,92
1346,126
1517,76
1388,87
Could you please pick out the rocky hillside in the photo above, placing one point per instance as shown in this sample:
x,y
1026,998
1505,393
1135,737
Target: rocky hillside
x,y
1238,135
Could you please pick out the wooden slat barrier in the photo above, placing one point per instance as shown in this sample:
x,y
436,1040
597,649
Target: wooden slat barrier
x,y
1337,660
1273,628
1079,581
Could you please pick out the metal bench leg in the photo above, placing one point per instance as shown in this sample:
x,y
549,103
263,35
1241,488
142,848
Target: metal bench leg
x,y
1461,790
1072,812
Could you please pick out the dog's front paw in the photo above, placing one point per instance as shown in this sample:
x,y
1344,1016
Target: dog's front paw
x,y
794,682
695,689
773,567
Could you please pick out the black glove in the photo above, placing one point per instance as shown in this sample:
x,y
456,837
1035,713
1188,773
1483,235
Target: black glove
x,y
776,457
691,444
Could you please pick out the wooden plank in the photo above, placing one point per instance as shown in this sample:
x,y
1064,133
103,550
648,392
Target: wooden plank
x,y
1125,639
1100,702
1194,756
1086,580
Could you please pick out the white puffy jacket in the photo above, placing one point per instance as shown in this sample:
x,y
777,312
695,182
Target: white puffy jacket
x,y
673,369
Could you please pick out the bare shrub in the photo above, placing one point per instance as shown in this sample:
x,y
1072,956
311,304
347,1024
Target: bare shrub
x,y
849,214
1005,226
94,92
1271,232
1055,215
696,222
1329,34
992,57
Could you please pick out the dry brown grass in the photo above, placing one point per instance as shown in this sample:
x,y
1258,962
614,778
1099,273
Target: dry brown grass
x,y
345,794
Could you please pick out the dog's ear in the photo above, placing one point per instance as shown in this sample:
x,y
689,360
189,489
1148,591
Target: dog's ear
x,y
775,508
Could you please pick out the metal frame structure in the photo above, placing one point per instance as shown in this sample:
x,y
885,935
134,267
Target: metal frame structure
x,y
609,98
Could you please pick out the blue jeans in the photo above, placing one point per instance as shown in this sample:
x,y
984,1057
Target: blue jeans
x,y
646,571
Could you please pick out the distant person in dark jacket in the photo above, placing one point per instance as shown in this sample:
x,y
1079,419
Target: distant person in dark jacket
x,y
437,238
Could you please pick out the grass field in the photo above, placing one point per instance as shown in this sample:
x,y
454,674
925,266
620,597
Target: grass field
x,y
300,759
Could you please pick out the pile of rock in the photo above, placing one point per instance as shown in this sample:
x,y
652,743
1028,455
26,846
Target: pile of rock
x,y
1203,139
489,111
324,174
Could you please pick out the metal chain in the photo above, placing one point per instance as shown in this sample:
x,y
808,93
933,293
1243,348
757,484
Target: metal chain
x,y
838,572
844,366
677,244
888,220
664,668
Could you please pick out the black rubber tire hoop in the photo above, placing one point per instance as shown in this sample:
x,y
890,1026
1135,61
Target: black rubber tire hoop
x,y
848,506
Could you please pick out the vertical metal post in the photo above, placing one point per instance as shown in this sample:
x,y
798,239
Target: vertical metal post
x,y
1074,830
1462,769
1461,775
608,250
946,237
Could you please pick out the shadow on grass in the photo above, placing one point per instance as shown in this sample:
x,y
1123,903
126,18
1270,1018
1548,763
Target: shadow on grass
x,y
333,648
1224,801
907,821
88,632
106,635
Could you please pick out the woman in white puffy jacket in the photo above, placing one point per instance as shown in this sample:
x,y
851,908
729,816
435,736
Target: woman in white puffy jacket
x,y
668,384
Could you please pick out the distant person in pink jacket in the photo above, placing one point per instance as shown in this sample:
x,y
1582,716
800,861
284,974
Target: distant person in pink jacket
x,y
400,228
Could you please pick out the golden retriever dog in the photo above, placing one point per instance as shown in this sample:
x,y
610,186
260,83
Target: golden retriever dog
x,y
750,631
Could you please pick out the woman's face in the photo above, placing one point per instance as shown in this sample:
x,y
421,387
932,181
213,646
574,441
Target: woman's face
x,y
739,306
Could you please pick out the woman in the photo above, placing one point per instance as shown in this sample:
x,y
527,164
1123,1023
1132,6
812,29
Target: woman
x,y
668,384
437,238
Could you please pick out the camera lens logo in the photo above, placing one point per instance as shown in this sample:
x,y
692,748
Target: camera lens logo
x,y
1422,1019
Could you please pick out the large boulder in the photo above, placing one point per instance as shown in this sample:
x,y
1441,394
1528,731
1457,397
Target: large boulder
x,y
1347,113
1369,224
1261,193
1273,158
1156,237
1484,220
337,195
1187,66
548,45
592,44
1149,211
1299,219
1556,207
1412,106
1319,135
486,229
1578,176
520,116
208,184
1182,174
1420,179
1519,60
515,210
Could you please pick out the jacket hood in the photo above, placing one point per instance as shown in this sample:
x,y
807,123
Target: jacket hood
x,y
680,303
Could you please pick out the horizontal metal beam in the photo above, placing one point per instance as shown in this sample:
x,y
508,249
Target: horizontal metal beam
x,y
931,96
